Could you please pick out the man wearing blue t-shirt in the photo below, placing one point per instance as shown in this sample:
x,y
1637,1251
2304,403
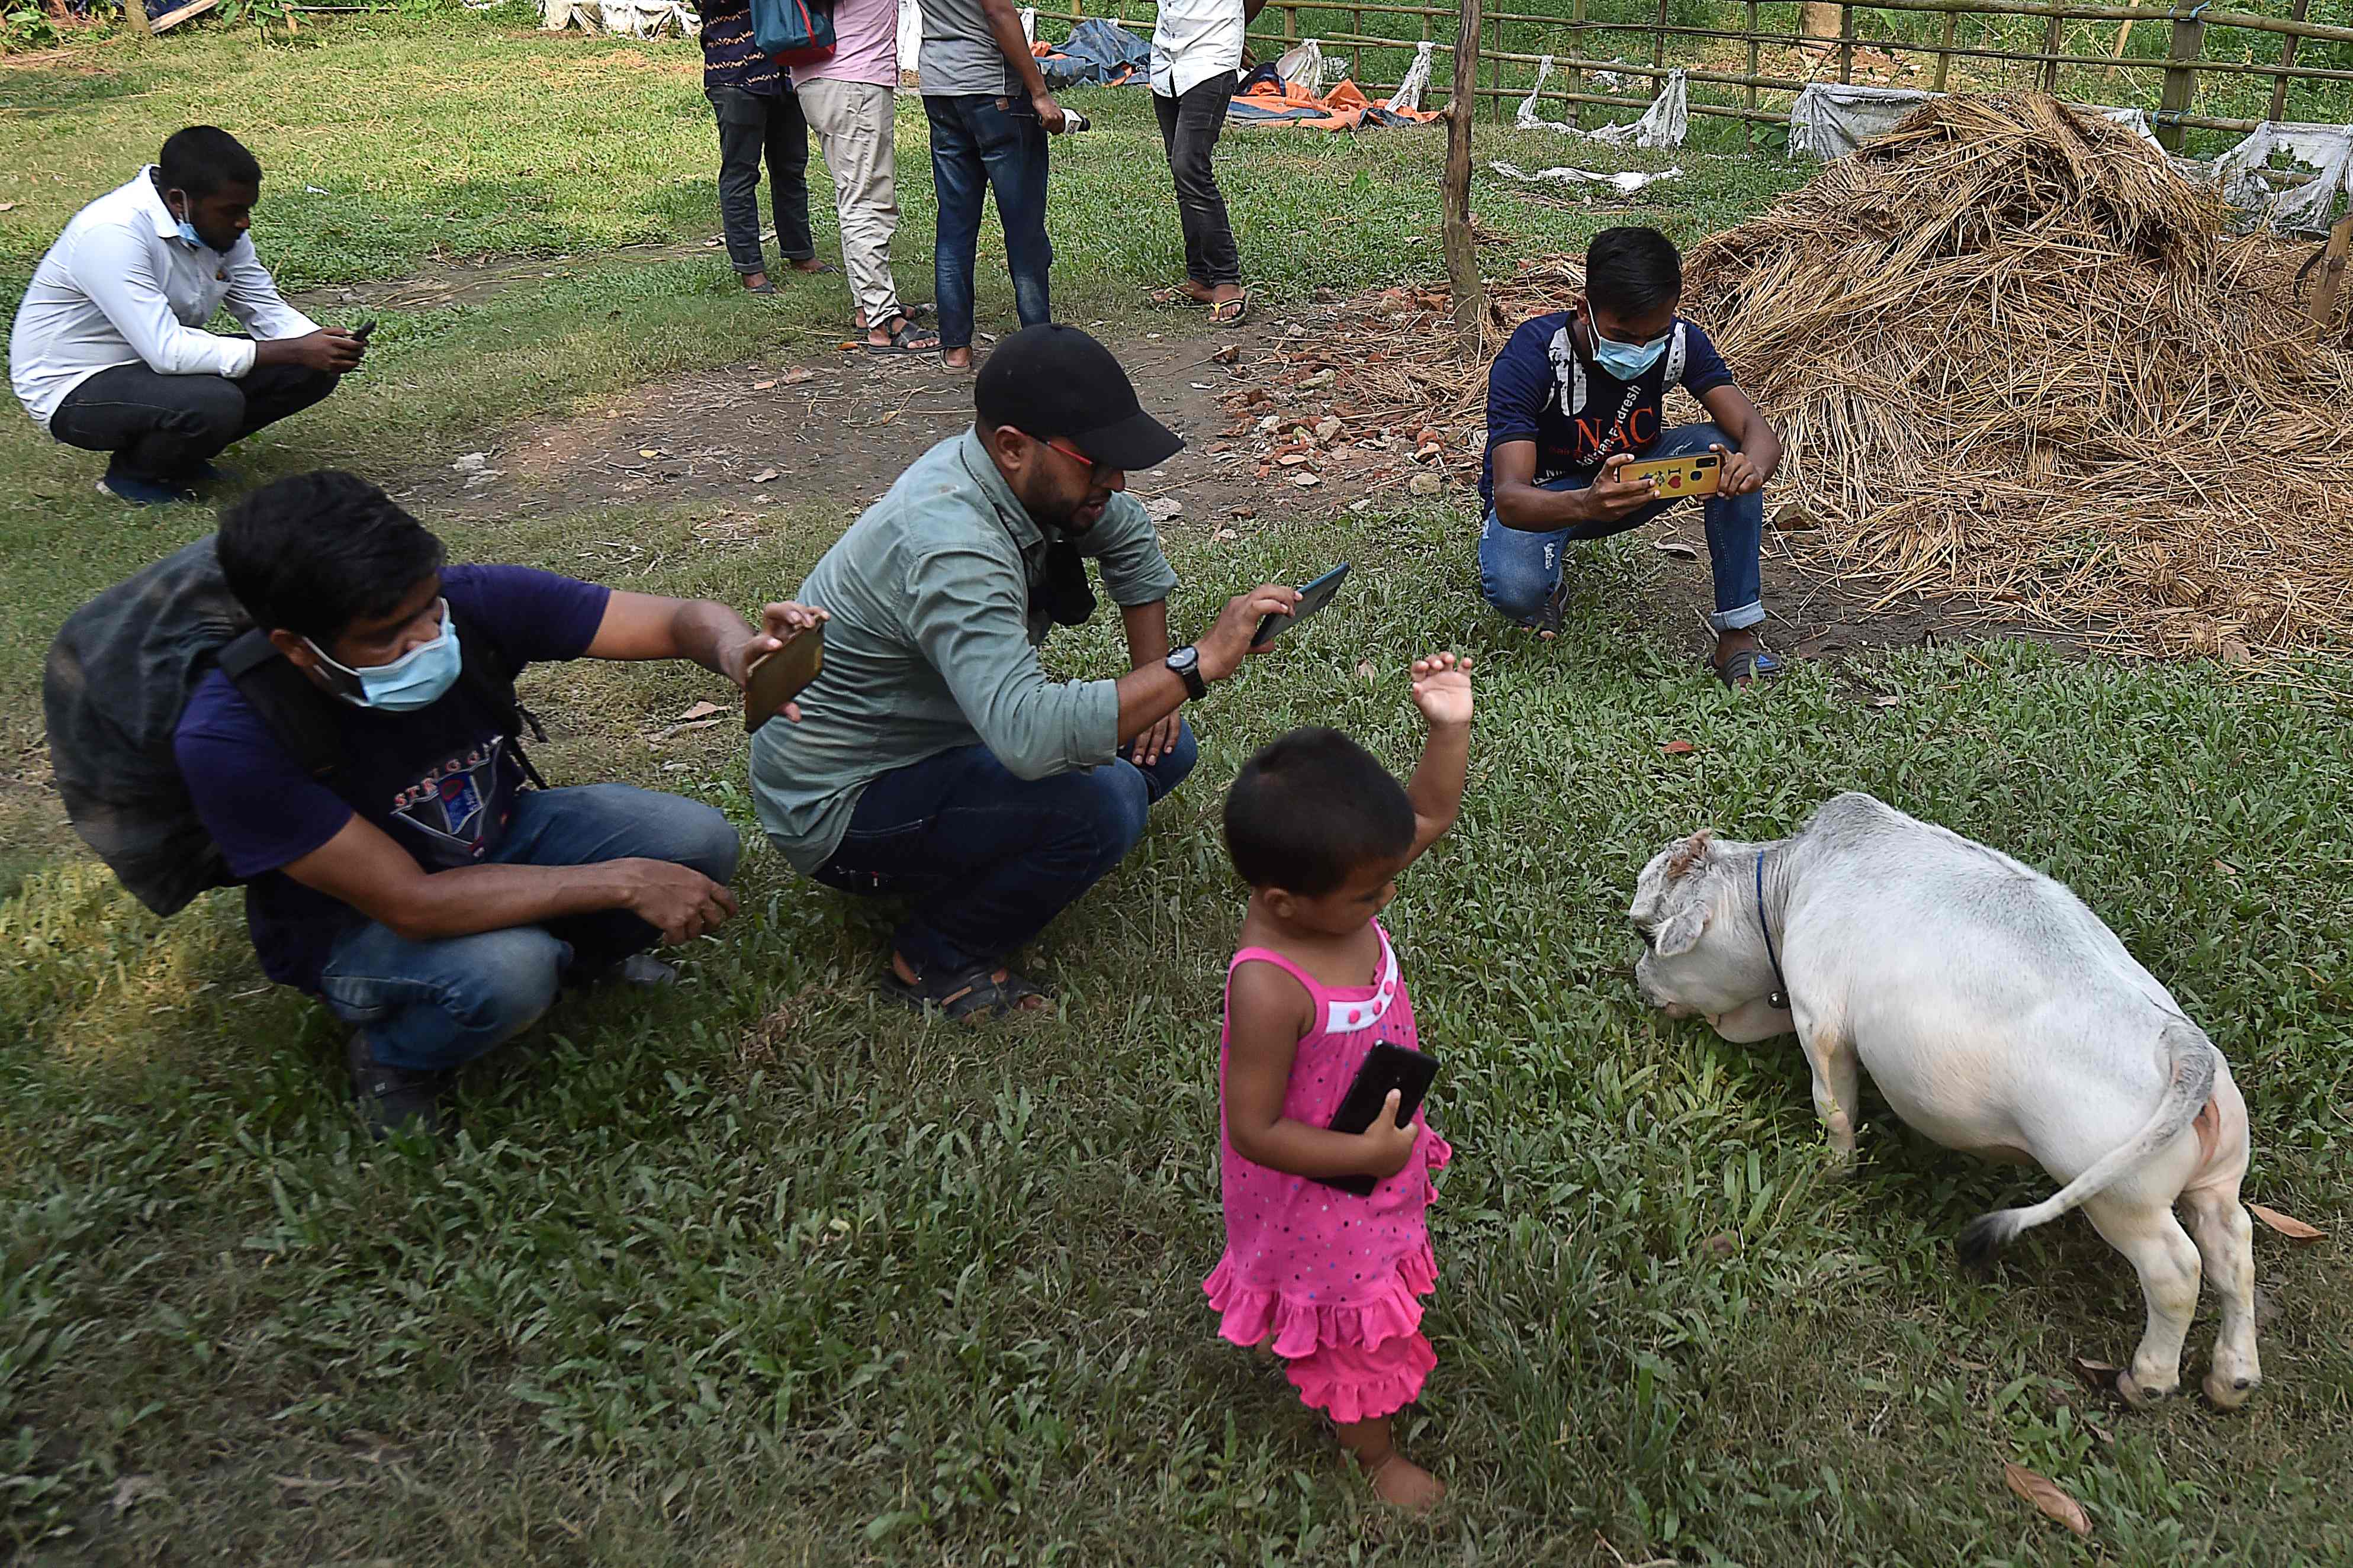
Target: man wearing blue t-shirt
x,y
412,879
1573,398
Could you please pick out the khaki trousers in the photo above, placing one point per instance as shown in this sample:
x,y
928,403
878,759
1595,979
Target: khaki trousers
x,y
854,129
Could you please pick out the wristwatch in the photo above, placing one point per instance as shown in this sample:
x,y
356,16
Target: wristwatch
x,y
1186,662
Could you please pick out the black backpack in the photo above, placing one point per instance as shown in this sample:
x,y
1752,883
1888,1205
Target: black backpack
x,y
113,690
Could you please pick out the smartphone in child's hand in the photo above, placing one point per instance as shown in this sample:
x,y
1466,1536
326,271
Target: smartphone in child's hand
x,y
1312,599
1386,1068
782,675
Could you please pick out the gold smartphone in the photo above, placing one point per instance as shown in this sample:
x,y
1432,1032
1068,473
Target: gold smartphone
x,y
1678,476
782,676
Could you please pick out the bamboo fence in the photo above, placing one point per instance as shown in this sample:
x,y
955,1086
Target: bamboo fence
x,y
2170,81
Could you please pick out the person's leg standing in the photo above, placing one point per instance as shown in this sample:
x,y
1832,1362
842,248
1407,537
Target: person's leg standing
x,y
158,427
960,180
742,129
785,146
853,124
1211,257
589,824
1012,142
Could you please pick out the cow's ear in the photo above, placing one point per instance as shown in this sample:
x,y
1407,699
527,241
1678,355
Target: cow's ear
x,y
1691,854
1680,931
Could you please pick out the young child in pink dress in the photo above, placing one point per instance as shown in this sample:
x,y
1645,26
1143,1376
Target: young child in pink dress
x,y
1332,1281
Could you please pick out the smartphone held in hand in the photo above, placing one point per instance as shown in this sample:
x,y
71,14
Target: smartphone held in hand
x,y
1312,599
781,676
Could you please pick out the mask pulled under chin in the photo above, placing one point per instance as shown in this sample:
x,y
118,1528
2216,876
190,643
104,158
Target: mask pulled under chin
x,y
417,679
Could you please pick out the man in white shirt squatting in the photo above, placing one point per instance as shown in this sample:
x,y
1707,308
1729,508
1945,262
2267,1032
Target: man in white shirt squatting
x,y
1197,59
110,353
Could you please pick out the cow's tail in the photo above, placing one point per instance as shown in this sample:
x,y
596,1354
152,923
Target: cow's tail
x,y
2187,1090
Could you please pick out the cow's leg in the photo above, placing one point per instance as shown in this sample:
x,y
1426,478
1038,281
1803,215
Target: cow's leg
x,y
2226,1241
1831,1053
2144,1229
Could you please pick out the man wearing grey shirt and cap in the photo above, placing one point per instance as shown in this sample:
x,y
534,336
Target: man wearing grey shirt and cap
x,y
990,115
936,759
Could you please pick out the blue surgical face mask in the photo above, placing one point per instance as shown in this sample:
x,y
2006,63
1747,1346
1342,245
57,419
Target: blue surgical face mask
x,y
1624,361
417,679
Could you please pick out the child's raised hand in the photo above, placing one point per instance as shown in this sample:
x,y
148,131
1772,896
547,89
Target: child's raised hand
x,y
1442,688
1390,1140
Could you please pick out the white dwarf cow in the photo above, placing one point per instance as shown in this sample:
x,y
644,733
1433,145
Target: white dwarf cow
x,y
1998,1015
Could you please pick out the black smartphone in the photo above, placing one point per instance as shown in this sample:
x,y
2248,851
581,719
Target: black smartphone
x,y
1312,599
364,328
782,675
1388,1067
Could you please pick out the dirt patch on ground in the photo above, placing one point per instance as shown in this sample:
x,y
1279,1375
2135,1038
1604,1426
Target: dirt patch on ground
x,y
841,427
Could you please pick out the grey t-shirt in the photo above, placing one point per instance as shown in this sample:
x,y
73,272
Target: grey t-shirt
x,y
960,54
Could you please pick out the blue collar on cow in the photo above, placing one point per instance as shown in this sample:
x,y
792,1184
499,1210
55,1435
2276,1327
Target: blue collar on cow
x,y
1779,998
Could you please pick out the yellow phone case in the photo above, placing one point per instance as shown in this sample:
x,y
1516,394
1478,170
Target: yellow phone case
x,y
1678,476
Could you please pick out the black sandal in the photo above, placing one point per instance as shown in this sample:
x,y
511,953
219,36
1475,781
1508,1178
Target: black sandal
x,y
1749,667
1545,623
906,337
966,993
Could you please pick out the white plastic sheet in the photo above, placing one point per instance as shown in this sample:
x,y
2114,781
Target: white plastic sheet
x,y
1625,183
1664,124
629,18
1832,119
1417,77
1029,23
1302,66
2311,203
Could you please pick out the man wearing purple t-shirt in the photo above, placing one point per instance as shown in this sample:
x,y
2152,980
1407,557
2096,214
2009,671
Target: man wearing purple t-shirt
x,y
847,100
417,884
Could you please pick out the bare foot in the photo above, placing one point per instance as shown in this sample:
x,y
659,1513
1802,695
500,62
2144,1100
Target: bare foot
x,y
1396,1480
755,280
810,264
1400,1483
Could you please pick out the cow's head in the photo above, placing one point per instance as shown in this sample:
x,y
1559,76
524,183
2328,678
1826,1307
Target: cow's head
x,y
1693,908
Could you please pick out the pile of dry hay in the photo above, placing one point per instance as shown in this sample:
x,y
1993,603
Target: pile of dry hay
x,y
2016,360
2019,364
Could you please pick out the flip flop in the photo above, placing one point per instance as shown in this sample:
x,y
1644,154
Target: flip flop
x,y
767,288
1173,295
1545,623
1747,668
906,339
1230,312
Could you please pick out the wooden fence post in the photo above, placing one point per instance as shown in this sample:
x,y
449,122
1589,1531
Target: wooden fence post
x,y
2180,77
1846,43
1943,53
1462,245
1748,127
1578,36
2332,272
2288,57
1818,19
1659,40
2055,38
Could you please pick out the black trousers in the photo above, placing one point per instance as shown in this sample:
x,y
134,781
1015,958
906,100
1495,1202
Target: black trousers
x,y
160,427
1189,126
753,126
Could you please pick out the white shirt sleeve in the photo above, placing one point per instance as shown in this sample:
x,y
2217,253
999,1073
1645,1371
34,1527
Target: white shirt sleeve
x,y
117,271
254,300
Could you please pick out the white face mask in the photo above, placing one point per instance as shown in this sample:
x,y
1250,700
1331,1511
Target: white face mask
x,y
417,679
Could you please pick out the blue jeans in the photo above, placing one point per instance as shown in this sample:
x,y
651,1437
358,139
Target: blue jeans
x,y
429,1005
989,859
1519,569
977,147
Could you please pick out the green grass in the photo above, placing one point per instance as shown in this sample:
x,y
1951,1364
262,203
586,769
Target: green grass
x,y
762,1272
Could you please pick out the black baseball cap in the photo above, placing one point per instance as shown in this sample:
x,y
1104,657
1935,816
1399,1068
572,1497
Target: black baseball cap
x,y
1056,383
